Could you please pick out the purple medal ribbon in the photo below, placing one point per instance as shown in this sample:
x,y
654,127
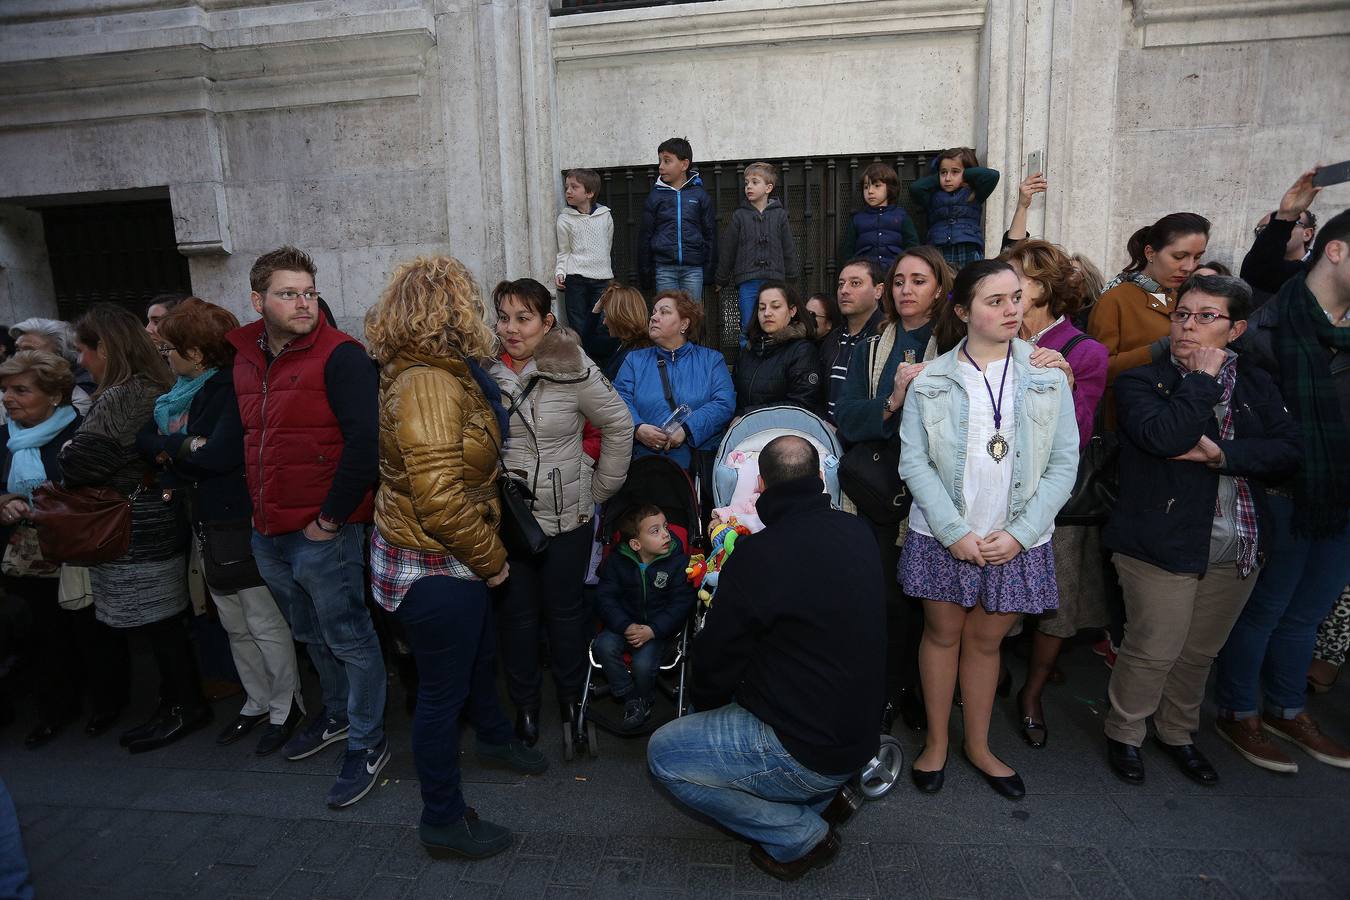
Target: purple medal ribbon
x,y
998,445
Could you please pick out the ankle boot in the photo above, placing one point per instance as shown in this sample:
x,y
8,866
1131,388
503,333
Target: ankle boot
x,y
527,725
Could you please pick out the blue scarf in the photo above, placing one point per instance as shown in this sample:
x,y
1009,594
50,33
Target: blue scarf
x,y
171,409
25,448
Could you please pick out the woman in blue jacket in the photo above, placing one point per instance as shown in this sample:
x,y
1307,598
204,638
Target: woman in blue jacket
x,y
990,454
656,381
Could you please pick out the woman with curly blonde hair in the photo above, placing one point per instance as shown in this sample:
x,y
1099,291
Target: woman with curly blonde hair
x,y
435,551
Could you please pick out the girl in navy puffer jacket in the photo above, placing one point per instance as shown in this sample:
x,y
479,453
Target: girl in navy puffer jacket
x,y
953,196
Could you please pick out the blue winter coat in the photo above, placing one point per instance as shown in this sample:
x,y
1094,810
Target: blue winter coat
x,y
679,228
661,600
698,379
880,234
956,217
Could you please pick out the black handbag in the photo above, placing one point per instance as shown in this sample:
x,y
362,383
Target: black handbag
x,y
869,473
1098,483
521,532
227,556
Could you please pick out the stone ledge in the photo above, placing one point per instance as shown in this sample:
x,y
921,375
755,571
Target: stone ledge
x,y
1162,23
742,23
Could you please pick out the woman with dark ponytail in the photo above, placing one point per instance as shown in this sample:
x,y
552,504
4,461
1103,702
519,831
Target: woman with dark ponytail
x,y
1131,316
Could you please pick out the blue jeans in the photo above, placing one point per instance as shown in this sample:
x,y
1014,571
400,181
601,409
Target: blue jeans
x,y
13,862
681,278
609,651
579,297
320,587
448,623
747,295
1271,645
731,767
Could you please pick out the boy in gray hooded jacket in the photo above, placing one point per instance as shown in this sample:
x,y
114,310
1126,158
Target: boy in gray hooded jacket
x,y
758,245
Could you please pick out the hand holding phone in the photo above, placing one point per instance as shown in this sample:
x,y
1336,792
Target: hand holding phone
x,y
1333,174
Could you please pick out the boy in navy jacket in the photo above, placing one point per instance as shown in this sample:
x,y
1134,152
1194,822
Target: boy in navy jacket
x,y
677,246
643,600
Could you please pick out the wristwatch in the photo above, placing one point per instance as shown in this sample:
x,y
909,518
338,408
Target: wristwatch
x,y
888,405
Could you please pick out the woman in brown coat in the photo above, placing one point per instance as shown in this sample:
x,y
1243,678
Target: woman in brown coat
x,y
1130,319
436,551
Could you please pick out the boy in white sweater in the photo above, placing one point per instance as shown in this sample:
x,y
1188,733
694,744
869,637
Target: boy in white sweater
x,y
585,233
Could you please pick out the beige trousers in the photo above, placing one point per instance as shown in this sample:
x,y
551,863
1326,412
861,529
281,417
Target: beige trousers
x,y
1174,627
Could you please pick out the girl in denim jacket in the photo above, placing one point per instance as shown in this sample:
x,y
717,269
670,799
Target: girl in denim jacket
x,y
990,454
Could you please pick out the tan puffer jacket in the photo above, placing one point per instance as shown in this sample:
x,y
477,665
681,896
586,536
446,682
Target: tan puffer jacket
x,y
438,463
544,446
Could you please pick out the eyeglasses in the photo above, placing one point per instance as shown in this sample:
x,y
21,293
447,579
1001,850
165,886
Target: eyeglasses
x,y
165,350
1180,316
292,296
1299,223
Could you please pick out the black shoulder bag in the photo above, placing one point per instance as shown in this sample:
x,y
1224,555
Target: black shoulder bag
x,y
520,531
1098,483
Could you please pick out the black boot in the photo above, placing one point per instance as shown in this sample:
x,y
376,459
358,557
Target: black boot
x,y
177,722
527,725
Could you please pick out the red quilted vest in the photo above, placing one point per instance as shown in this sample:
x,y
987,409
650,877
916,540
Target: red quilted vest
x,y
292,442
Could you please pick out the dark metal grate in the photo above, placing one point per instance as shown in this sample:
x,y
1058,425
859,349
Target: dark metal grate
x,y
820,193
123,253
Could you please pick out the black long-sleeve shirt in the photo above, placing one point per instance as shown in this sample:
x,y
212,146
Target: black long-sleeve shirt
x,y
353,385
1264,267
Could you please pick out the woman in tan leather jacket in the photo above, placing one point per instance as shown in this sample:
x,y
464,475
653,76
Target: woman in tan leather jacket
x,y
436,551
553,389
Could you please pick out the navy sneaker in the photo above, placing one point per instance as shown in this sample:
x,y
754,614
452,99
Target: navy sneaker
x,y
360,769
319,733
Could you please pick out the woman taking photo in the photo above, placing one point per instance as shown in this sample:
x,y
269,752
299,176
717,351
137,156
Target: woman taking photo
x,y
824,310
435,551
779,363
197,438
552,389
657,381
623,327
990,455
916,288
73,654
1130,318
146,588
1052,290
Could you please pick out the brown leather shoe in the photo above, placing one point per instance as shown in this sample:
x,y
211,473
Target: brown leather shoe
x,y
1302,730
820,855
1248,739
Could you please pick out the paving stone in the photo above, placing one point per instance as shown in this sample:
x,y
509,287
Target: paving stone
x,y
528,877
385,887
578,859
1092,885
945,871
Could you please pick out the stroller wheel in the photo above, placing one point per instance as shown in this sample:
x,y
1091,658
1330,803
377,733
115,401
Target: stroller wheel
x,y
569,750
592,740
880,775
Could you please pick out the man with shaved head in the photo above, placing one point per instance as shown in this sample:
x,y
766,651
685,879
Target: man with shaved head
x,y
788,674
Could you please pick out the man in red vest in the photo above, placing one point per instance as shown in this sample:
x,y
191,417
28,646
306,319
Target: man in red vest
x,y
308,397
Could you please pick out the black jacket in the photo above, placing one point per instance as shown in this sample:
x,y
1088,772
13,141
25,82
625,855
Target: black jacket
x,y
770,372
662,600
797,634
213,475
1264,267
1165,512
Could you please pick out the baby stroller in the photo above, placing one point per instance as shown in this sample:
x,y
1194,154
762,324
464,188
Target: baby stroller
x,y
661,482
735,474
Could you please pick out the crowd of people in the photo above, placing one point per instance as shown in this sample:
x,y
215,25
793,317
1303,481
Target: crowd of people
x,y
290,484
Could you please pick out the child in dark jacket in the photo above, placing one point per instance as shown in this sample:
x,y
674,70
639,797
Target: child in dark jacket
x,y
757,246
677,243
883,230
643,600
953,197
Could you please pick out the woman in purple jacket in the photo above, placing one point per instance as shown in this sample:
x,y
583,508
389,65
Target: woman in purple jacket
x,y
1052,291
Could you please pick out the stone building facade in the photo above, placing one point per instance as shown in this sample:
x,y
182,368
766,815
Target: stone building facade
x,y
368,131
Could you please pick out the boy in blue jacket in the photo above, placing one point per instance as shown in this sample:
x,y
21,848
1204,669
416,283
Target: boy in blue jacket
x,y
677,245
643,600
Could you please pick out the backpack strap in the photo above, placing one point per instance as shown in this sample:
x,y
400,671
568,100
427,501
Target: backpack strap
x,y
1072,342
878,351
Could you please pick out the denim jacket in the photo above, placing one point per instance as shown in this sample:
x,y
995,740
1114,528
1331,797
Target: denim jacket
x,y
933,447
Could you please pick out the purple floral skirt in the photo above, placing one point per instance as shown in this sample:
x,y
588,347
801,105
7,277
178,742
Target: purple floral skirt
x,y
1024,585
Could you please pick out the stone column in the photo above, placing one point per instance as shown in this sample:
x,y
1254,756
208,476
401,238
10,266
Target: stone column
x,y
26,287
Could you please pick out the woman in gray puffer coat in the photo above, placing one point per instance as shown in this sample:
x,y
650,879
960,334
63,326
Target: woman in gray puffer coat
x,y
552,390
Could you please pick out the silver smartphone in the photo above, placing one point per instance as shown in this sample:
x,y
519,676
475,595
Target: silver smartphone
x,y
1036,162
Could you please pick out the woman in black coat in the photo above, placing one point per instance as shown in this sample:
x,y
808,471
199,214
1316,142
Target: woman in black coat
x,y
779,365
201,451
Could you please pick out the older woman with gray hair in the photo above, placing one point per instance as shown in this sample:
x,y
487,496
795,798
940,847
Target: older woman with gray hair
x,y
56,336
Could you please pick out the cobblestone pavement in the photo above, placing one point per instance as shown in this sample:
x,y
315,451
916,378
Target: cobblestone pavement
x,y
200,820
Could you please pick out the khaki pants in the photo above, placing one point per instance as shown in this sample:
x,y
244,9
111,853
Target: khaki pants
x,y
1174,627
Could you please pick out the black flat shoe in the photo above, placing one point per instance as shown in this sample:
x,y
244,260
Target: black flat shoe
x,y
527,725
928,782
1191,762
101,722
42,734
1009,786
176,723
1126,761
241,727
1034,732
